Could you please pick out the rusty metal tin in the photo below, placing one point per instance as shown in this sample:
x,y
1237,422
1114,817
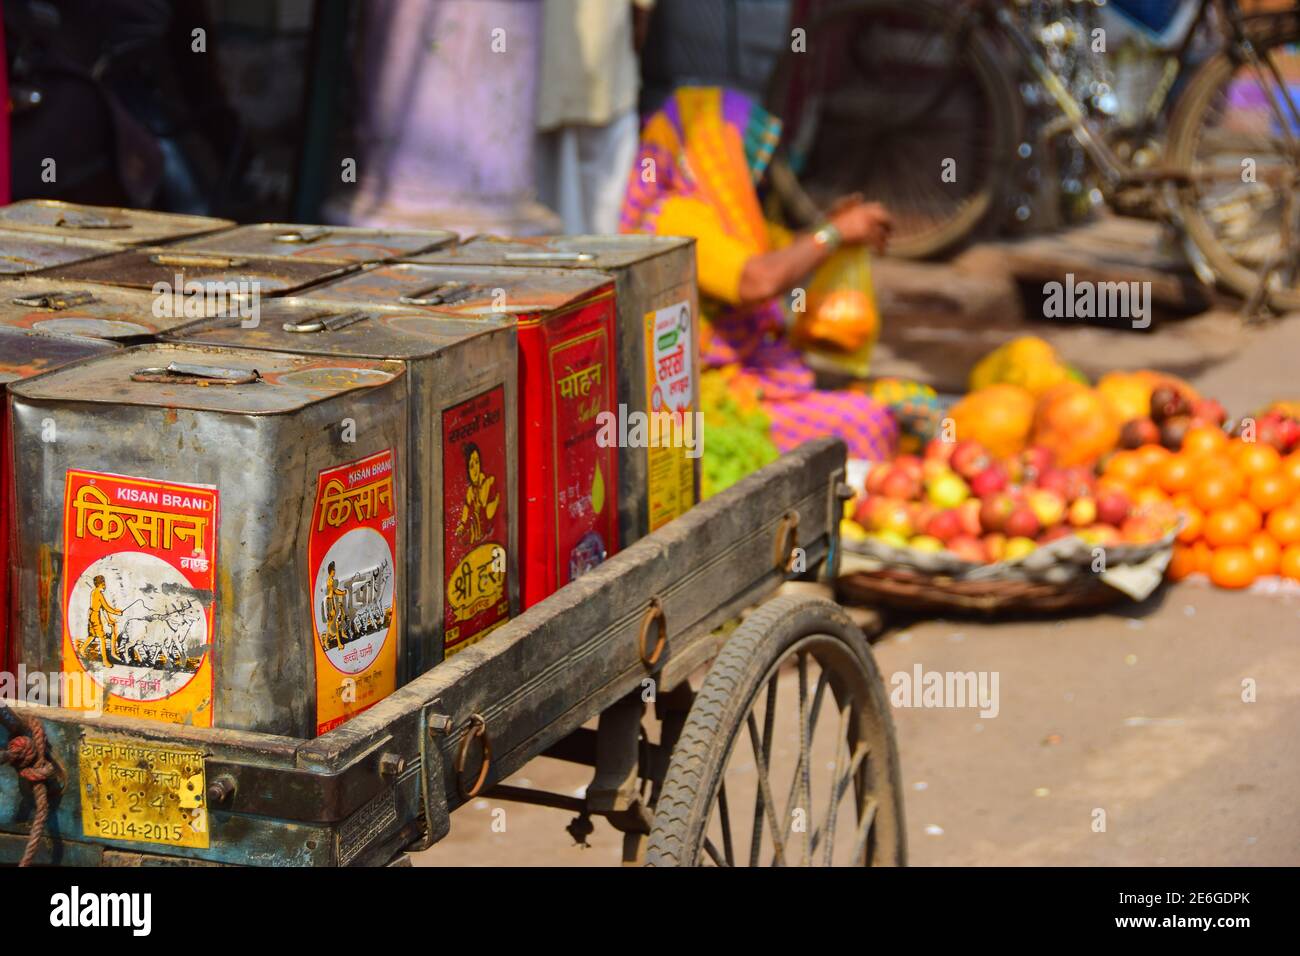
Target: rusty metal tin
x,y
24,355
125,227
165,270
239,515
461,378
22,252
658,324
568,518
338,244
89,310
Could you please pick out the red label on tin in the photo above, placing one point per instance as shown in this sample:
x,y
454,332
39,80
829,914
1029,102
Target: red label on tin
x,y
476,521
584,471
352,554
140,560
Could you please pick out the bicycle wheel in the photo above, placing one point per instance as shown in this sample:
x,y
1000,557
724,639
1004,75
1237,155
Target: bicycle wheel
x,y
884,95
1240,205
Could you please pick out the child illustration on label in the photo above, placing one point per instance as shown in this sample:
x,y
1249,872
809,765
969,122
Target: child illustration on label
x,y
480,503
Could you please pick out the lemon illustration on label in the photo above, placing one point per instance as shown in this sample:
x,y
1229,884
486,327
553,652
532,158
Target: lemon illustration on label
x,y
598,491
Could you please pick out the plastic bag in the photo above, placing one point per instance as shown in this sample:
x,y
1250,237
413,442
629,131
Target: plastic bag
x,y
841,322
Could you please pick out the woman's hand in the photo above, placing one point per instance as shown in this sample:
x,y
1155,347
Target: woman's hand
x,y
862,223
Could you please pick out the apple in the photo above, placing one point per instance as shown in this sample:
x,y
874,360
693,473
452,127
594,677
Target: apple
x,y
901,484
1047,506
894,538
1083,512
909,464
876,475
1022,523
1055,534
893,517
969,458
968,548
1208,410
995,510
925,542
995,545
1054,479
1141,529
1036,459
1138,432
945,525
969,511
989,481
850,530
939,450
1112,508
948,491
1102,534
1018,547
932,468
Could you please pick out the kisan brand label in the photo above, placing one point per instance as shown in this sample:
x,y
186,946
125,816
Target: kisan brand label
x,y
140,561
671,473
584,469
352,552
475,519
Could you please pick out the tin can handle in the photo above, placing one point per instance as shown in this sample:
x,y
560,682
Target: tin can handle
x,y
190,374
550,257
86,220
443,293
195,260
303,235
55,301
327,322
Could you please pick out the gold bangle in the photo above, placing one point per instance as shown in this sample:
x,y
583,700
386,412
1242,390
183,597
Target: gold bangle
x,y
828,237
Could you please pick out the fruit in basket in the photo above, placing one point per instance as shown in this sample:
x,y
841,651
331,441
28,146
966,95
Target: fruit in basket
x,y
1022,523
1209,411
1112,508
989,481
1018,547
1169,401
1137,432
896,539
945,525
1174,431
947,490
1129,393
1048,506
994,512
968,548
998,417
900,483
995,545
925,542
1083,512
969,512
1075,423
969,458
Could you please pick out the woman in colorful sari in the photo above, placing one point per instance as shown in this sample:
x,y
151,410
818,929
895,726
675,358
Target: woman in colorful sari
x,y
701,159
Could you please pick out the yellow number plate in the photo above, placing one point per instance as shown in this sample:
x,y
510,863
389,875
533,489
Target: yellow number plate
x,y
142,792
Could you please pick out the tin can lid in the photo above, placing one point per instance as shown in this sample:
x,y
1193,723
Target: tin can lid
x,y
215,278
89,310
558,252
337,244
26,354
123,226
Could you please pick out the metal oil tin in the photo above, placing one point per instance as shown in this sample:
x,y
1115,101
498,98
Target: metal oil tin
x,y
126,227
658,351
216,536
164,270
461,381
339,244
28,251
88,310
23,355
568,492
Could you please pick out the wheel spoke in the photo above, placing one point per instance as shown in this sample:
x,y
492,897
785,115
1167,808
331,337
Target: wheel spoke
x,y
764,798
712,851
809,731
864,832
725,813
841,785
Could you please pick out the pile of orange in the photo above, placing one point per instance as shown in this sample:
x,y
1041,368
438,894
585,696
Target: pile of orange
x,y
1240,502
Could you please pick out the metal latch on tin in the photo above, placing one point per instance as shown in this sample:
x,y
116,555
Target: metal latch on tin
x,y
444,293
195,260
55,301
185,373
303,235
550,257
326,322
87,220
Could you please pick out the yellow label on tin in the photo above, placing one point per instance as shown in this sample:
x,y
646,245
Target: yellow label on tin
x,y
669,377
143,792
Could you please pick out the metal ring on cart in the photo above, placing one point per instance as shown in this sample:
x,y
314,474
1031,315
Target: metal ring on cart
x,y
478,728
787,539
654,613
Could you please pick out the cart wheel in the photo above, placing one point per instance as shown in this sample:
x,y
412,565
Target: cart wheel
x,y
841,801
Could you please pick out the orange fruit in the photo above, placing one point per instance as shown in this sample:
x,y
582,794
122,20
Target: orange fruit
x,y
1153,456
1284,525
1148,495
1204,440
1214,492
1265,552
1176,473
1253,516
1226,526
1256,458
1182,563
1291,468
1204,555
1233,567
1193,524
1267,492
1127,467
1288,564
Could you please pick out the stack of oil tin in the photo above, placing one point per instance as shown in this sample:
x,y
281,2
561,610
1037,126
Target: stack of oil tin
x,y
258,477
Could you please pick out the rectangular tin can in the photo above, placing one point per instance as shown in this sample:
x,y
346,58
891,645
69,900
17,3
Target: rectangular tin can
x,y
338,244
88,310
22,252
568,507
215,538
167,271
24,355
657,338
462,470
125,227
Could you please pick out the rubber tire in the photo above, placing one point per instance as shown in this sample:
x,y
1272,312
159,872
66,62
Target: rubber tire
x,y
734,681
1004,106
1183,127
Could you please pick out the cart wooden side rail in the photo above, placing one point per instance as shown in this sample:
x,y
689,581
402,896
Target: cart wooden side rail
x,y
387,780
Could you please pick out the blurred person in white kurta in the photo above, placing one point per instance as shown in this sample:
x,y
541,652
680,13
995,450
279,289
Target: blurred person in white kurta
x,y
586,118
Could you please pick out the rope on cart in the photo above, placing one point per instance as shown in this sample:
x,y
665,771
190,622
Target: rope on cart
x,y
25,752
